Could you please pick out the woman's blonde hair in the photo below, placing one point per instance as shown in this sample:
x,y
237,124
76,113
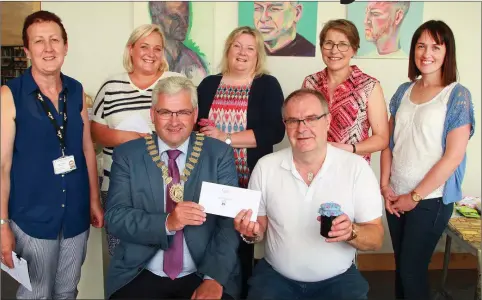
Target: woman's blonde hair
x,y
261,53
139,33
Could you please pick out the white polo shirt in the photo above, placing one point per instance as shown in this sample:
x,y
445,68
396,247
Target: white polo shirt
x,y
294,246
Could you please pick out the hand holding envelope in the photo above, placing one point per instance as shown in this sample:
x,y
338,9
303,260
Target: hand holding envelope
x,y
185,213
228,201
244,225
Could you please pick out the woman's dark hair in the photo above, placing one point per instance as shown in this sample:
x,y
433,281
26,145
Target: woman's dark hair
x,y
39,17
442,35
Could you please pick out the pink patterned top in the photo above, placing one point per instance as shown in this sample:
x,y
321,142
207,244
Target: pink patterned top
x,y
348,107
228,112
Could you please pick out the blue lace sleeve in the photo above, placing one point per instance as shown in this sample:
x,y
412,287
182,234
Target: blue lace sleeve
x,y
397,98
460,110
393,107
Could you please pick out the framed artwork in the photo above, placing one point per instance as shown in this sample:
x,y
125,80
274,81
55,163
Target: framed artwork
x,y
288,28
385,28
189,31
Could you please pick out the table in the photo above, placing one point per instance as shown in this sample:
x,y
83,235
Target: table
x,y
466,233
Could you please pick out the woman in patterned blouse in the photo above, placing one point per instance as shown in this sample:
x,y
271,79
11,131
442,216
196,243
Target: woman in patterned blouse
x,y
242,107
356,99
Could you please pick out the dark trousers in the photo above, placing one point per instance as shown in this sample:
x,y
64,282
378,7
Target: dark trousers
x,y
414,238
267,284
246,257
148,285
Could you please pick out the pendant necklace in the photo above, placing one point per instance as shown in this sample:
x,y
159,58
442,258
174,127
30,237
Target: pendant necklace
x,y
310,176
176,191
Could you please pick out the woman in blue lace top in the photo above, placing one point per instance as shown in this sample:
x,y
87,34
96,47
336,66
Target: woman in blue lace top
x,y
431,122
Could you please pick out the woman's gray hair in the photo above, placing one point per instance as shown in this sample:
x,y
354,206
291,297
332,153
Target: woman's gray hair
x,y
173,85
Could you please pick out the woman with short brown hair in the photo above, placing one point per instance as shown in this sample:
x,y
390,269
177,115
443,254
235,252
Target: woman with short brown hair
x,y
50,191
356,99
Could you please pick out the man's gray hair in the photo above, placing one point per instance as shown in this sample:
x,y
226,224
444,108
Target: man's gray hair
x,y
303,92
173,85
403,5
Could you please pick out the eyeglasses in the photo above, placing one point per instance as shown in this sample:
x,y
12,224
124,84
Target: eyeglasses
x,y
165,114
342,47
308,121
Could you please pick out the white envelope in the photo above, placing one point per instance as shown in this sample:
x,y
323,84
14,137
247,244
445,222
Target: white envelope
x,y
19,271
135,123
228,201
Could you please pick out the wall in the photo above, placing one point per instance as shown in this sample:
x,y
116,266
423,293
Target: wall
x,y
98,32
12,16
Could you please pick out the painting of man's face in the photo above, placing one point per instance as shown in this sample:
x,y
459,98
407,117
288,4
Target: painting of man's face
x,y
385,28
379,20
275,19
174,19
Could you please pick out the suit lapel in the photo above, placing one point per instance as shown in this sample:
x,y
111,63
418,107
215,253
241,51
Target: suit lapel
x,y
156,182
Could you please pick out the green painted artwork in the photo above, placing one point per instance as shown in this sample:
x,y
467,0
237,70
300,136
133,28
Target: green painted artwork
x,y
288,28
182,52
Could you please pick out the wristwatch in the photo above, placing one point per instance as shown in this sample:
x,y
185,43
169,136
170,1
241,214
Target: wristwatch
x,y
415,196
354,232
228,139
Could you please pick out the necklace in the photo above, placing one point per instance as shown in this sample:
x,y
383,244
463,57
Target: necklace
x,y
310,176
176,191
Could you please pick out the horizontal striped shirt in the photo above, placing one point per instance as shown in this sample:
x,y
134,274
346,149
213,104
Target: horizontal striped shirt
x,y
118,99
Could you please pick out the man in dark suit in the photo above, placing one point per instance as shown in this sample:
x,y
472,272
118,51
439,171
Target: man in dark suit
x,y
169,247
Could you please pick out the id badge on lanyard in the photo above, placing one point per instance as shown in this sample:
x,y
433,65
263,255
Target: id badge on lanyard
x,y
63,164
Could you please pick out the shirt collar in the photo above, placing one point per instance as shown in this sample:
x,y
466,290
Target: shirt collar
x,y
355,71
288,164
30,86
163,147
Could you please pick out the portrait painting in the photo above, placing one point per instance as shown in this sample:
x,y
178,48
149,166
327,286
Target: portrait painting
x,y
188,28
385,28
288,28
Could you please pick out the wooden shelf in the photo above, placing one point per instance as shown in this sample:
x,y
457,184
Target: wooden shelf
x,y
14,62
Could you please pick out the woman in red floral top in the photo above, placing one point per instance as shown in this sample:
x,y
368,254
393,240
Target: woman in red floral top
x,y
356,99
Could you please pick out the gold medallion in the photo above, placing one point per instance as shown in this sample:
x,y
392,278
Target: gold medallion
x,y
176,192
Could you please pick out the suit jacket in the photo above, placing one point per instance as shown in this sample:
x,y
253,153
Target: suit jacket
x,y
135,214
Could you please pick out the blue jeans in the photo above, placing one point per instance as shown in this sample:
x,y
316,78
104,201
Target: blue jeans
x,y
266,283
414,238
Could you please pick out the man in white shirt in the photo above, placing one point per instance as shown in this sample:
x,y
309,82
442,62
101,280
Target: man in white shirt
x,y
299,262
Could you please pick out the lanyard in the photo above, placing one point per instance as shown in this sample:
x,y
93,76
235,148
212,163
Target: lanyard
x,y
59,129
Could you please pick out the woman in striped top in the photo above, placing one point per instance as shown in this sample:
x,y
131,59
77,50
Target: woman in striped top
x,y
124,95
